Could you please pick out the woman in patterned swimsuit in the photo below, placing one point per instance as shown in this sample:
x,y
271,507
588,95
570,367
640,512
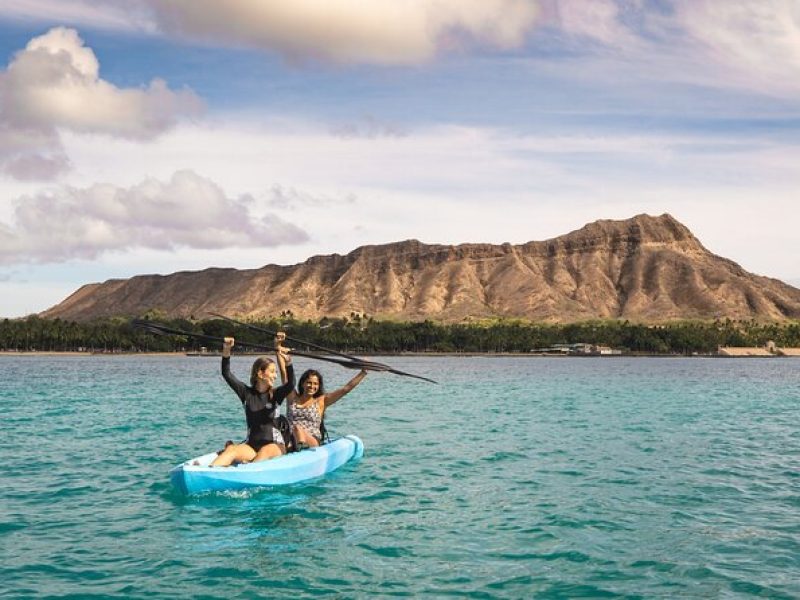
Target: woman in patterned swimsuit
x,y
306,406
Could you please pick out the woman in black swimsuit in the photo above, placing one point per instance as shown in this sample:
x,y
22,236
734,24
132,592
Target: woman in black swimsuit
x,y
260,401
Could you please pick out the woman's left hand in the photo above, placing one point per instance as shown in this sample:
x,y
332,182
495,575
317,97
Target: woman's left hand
x,y
280,337
283,354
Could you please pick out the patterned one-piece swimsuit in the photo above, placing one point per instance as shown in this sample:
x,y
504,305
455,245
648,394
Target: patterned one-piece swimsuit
x,y
308,417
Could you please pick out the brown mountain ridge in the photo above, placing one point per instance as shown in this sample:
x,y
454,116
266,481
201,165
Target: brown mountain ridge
x,y
644,269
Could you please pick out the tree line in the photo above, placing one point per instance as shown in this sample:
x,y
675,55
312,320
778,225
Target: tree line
x,y
365,335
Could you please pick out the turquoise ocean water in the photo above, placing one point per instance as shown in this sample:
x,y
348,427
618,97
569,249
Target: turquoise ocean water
x,y
513,478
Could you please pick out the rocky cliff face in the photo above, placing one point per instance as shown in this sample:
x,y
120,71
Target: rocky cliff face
x,y
646,269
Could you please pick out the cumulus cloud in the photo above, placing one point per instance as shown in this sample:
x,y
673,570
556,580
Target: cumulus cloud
x,y
387,32
28,153
54,84
188,211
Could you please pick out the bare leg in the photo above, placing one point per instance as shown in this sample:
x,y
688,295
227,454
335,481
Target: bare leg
x,y
303,437
270,451
232,453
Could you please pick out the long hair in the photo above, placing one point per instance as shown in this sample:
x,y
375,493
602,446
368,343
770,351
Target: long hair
x,y
261,362
302,382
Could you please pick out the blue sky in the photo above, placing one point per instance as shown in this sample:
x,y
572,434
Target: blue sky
x,y
152,136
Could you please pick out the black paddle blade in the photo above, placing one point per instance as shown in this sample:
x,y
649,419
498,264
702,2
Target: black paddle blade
x,y
159,329
366,365
151,327
405,374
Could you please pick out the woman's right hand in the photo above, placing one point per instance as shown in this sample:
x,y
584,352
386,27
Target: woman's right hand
x,y
281,351
227,342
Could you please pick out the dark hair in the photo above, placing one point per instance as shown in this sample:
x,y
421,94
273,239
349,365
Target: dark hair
x,y
261,362
302,382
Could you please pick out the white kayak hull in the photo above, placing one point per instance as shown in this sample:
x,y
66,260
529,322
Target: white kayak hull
x,y
195,476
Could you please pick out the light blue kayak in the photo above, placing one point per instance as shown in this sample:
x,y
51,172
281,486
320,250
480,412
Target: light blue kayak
x,y
195,476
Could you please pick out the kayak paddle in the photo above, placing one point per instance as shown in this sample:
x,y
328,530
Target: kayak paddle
x,y
376,366
352,363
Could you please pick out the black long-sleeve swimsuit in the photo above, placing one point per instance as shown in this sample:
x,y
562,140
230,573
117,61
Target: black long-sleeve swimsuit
x,y
260,408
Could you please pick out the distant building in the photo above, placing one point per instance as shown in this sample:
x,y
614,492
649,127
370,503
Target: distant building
x,y
605,351
578,349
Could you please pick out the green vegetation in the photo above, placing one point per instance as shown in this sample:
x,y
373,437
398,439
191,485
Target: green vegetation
x,y
365,335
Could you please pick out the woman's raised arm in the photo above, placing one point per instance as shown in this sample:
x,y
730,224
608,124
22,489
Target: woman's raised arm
x,y
332,397
231,379
280,355
286,369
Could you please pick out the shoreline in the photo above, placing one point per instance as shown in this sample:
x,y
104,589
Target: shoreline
x,y
76,353
396,354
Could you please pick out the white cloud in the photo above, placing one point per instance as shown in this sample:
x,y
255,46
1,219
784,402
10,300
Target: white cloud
x,y
756,41
290,198
53,85
368,127
450,184
55,82
30,154
747,44
350,31
439,185
598,20
109,14
188,211
752,45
